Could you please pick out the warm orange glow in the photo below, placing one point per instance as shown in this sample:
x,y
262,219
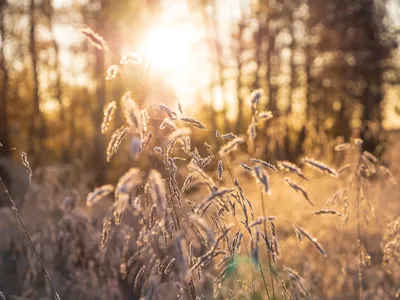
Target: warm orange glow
x,y
169,48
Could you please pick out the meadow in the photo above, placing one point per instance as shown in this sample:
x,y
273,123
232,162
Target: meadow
x,y
249,229
199,149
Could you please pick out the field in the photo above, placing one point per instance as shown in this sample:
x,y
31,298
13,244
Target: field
x,y
144,243
199,149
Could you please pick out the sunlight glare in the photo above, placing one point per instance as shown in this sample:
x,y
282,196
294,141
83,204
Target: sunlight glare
x,y
169,48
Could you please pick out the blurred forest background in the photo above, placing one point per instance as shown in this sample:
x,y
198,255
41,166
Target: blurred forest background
x,y
330,71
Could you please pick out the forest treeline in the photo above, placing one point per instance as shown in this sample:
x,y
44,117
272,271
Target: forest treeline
x,y
325,69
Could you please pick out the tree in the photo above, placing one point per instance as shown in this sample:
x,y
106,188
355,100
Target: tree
x,y
4,128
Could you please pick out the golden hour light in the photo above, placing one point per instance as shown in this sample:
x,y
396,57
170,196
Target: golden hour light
x,y
199,149
169,48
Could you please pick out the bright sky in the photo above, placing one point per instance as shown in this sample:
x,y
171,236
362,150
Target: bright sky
x,y
177,47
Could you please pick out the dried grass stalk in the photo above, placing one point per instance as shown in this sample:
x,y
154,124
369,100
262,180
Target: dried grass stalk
x,y
193,122
300,189
388,174
137,278
169,112
265,115
343,147
130,110
108,116
262,178
98,194
112,72
320,166
265,164
115,142
231,146
328,212
313,240
25,162
229,136
131,58
246,168
105,232
220,169
290,167
95,39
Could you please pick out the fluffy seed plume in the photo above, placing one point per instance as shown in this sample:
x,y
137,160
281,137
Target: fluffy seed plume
x,y
130,110
255,99
209,148
371,157
98,194
313,240
167,122
344,168
328,212
388,174
265,115
137,278
95,39
128,182
320,166
116,141
261,220
105,233
112,72
197,172
220,169
193,122
252,129
168,268
290,167
265,164
120,206
25,162
343,147
177,134
231,146
298,188
157,189
169,112
131,58
229,136
146,140
180,108
262,178
246,168
108,116
205,204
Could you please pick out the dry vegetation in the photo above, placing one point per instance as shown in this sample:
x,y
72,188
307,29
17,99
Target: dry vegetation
x,y
207,222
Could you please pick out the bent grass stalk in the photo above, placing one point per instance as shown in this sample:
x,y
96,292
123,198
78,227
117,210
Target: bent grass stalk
x,y
269,254
14,208
259,264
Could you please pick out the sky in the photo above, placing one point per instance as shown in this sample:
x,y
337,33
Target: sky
x,y
177,47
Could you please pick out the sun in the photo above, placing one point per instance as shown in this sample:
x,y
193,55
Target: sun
x,y
169,48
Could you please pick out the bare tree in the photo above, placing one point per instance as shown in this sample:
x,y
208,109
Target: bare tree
x,y
37,126
4,128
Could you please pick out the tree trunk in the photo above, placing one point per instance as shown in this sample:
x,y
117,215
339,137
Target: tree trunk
x,y
49,11
4,127
37,122
240,117
99,157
